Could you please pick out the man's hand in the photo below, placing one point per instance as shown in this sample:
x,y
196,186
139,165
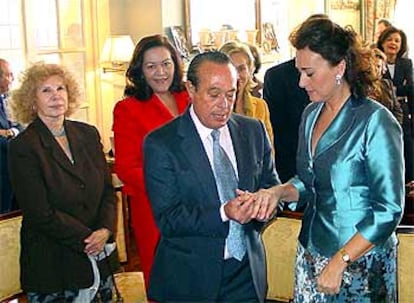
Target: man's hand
x,y
241,208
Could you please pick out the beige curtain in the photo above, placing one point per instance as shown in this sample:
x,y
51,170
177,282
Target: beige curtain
x,y
375,10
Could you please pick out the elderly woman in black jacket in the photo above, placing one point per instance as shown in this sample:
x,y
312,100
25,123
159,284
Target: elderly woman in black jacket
x,y
63,186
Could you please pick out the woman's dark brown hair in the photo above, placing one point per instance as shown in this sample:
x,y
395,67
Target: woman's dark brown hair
x,y
388,32
335,43
137,86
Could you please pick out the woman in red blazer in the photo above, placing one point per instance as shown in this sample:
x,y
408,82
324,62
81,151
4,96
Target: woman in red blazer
x,y
155,94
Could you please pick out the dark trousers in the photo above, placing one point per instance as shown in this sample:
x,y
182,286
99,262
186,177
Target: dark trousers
x,y
237,282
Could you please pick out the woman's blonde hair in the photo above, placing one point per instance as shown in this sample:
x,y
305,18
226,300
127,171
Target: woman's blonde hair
x,y
23,99
234,47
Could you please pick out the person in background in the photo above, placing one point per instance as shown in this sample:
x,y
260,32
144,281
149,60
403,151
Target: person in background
x,y
383,90
382,24
207,174
286,101
154,95
257,87
62,184
351,167
246,104
8,130
393,42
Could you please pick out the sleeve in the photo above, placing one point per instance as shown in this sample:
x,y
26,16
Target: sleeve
x,y
107,210
385,168
26,175
406,88
128,141
268,124
180,208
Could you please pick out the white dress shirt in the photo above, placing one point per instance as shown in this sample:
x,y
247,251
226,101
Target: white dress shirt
x,y
226,143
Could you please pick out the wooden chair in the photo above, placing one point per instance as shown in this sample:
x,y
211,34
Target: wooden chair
x,y
405,264
131,286
280,241
10,225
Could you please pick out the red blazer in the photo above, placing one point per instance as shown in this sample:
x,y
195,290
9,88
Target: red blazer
x,y
133,120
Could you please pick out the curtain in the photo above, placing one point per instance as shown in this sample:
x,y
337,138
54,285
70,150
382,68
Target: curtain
x,y
375,10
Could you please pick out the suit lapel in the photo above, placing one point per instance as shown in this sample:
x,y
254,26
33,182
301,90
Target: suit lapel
x,y
57,154
240,144
338,128
4,122
193,151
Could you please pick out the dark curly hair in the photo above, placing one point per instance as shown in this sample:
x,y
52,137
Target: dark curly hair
x,y
137,86
335,43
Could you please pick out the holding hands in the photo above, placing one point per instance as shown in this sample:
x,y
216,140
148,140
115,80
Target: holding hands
x,y
261,205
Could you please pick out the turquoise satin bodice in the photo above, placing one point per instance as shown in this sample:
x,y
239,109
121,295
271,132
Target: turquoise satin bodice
x,y
355,180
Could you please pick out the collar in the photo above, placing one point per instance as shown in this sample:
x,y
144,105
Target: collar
x,y
203,131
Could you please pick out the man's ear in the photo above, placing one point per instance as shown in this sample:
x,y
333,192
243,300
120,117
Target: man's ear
x,y
190,88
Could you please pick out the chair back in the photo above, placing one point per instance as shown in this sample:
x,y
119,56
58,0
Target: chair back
x,y
10,256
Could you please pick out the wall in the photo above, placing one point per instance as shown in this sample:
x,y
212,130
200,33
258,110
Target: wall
x,y
137,18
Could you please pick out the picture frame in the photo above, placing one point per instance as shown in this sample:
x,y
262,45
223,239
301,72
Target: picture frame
x,y
348,13
177,36
269,39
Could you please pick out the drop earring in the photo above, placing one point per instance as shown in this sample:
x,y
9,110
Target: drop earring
x,y
338,79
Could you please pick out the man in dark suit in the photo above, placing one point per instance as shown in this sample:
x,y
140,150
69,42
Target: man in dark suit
x,y
286,101
194,261
8,130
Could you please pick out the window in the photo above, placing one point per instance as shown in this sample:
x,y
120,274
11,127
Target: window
x,y
51,31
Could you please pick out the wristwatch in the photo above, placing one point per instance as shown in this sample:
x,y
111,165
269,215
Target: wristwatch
x,y
344,255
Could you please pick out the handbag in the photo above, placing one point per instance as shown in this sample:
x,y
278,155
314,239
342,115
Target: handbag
x,y
103,265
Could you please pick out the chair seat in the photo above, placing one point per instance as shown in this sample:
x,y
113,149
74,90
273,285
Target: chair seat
x,y
131,286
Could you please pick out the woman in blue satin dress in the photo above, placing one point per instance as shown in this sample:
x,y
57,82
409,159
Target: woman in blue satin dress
x,y
350,172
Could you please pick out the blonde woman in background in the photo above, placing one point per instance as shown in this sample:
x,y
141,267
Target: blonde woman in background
x,y
246,104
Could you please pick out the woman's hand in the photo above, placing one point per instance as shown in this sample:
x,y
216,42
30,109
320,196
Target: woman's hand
x,y
96,241
265,204
330,279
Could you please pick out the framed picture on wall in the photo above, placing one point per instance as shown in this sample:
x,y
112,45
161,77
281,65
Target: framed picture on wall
x,y
269,41
347,13
177,36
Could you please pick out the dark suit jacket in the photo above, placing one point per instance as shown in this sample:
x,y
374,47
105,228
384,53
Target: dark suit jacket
x,y
403,81
181,186
6,196
62,204
5,191
286,101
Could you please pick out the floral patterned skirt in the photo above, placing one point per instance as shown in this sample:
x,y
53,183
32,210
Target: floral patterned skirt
x,y
104,295
370,279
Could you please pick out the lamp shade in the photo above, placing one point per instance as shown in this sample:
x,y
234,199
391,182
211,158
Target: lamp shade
x,y
117,49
